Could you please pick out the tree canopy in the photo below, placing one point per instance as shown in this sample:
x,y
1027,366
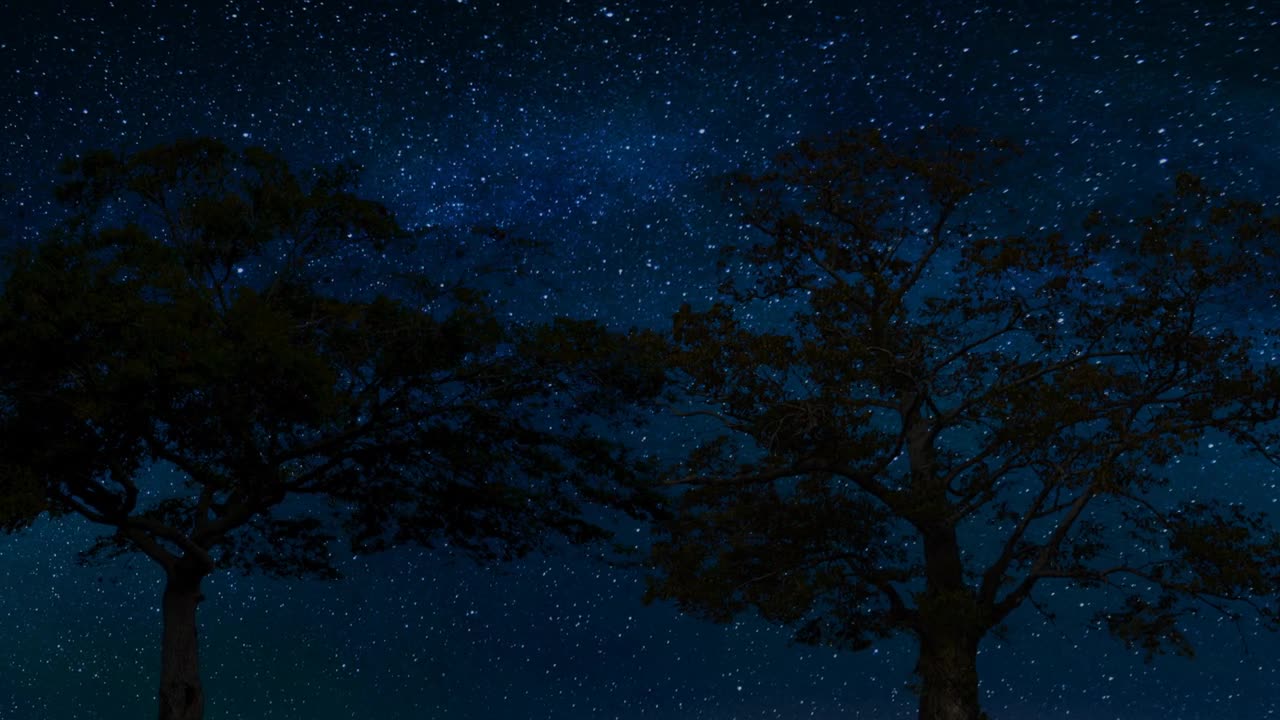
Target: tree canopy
x,y
198,314
925,416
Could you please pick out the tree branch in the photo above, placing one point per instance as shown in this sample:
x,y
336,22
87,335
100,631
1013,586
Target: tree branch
x,y
995,573
750,478
960,409
158,529
1047,552
150,547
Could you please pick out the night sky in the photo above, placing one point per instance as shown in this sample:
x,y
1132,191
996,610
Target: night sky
x,y
600,128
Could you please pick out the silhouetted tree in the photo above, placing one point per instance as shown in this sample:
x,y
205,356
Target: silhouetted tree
x,y
198,315
922,424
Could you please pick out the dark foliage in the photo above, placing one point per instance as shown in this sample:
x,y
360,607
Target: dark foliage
x,y
927,419
190,316
200,318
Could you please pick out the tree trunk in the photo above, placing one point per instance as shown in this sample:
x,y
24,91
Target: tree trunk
x,y
948,670
181,694
951,623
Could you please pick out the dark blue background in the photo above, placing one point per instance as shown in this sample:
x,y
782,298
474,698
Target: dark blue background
x,y
599,127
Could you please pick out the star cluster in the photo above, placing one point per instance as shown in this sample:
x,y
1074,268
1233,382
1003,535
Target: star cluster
x,y
600,128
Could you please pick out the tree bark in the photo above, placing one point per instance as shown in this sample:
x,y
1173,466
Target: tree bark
x,y
948,670
951,623
181,693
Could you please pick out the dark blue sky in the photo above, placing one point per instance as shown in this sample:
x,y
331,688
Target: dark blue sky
x,y
599,127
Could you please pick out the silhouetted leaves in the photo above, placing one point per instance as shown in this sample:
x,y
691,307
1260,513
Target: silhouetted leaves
x,y
181,319
193,362
924,411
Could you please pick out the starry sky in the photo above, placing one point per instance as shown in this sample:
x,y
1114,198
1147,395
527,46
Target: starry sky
x,y
600,127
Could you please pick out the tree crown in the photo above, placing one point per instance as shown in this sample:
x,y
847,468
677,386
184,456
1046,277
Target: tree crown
x,y
200,312
915,402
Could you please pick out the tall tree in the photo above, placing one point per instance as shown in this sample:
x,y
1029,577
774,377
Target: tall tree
x,y
921,424
197,314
